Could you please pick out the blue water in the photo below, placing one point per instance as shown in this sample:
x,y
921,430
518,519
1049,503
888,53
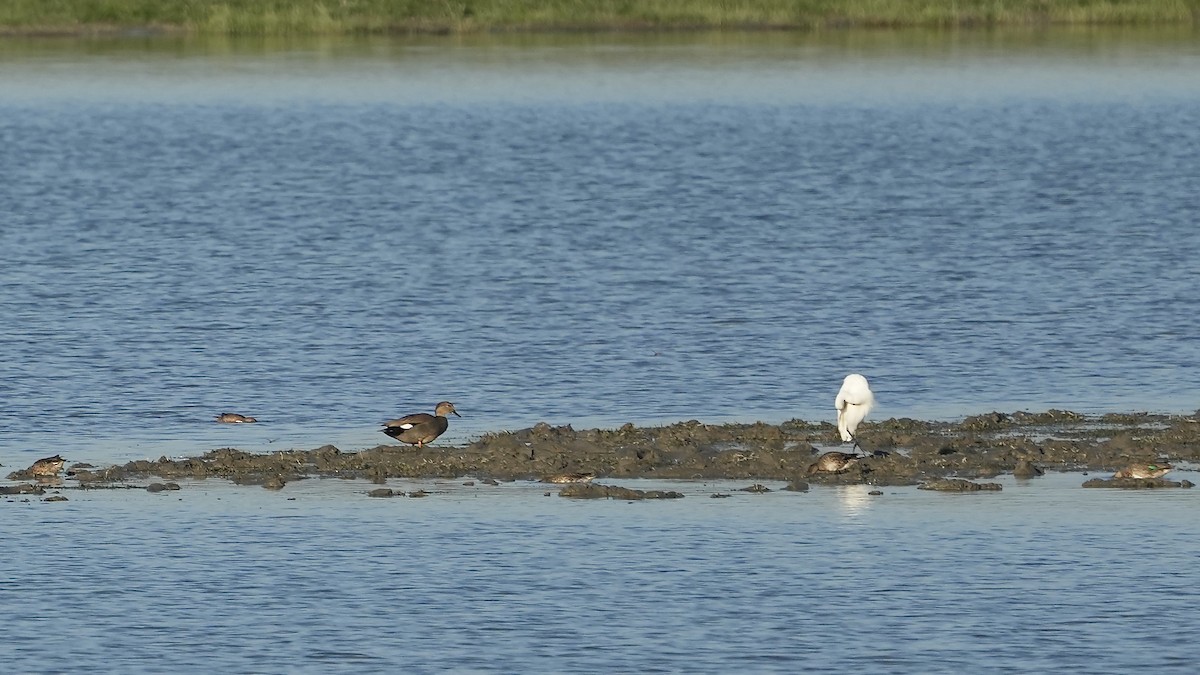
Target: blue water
x,y
324,262
591,230
1044,575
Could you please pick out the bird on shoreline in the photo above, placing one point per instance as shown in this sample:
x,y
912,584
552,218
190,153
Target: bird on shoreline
x,y
234,418
1144,471
47,466
832,462
853,401
421,428
585,477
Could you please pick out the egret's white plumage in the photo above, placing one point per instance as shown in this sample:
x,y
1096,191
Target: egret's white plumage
x,y
854,400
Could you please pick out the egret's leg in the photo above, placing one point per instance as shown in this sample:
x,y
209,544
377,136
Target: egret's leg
x,y
858,447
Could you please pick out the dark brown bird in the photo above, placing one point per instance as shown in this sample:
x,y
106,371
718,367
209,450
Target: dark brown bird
x,y
234,418
47,466
832,462
421,428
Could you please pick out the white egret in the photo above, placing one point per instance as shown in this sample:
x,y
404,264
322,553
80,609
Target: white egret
x,y
854,400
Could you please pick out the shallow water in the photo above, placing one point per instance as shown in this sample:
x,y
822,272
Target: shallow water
x,y
319,578
588,230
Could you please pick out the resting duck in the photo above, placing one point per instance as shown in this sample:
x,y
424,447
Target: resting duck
x,y
570,478
47,466
234,418
1144,471
421,428
832,462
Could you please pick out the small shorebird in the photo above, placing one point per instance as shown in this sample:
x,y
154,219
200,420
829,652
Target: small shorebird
x,y
1144,471
570,477
421,428
832,462
853,401
234,418
47,466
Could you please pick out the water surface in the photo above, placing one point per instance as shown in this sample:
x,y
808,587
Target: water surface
x,y
318,578
588,230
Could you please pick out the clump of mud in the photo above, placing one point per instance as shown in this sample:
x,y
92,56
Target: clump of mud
x,y
1136,483
897,452
595,491
958,485
162,487
757,488
22,489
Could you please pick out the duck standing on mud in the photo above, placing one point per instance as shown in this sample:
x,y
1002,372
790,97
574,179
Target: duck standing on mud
x,y
1144,471
832,462
47,466
421,428
853,401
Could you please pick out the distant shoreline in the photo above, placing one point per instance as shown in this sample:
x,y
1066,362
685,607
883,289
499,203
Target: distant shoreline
x,y
453,17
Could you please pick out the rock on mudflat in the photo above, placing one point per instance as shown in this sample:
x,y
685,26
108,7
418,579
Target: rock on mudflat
x,y
594,491
958,485
1027,469
162,487
1136,483
22,489
384,492
757,489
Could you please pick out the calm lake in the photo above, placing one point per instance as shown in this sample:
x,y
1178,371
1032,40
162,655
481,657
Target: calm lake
x,y
591,230
319,578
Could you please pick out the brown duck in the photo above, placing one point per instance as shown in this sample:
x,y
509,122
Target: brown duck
x,y
832,462
421,428
234,418
1144,471
585,477
47,466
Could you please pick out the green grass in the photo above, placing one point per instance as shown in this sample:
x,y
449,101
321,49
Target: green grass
x,y
312,17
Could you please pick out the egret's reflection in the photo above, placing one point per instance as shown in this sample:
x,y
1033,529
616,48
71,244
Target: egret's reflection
x,y
853,499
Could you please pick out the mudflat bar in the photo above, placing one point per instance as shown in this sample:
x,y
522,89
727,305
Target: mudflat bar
x,y
894,452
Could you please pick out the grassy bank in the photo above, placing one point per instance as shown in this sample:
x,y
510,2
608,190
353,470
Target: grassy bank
x,y
275,17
